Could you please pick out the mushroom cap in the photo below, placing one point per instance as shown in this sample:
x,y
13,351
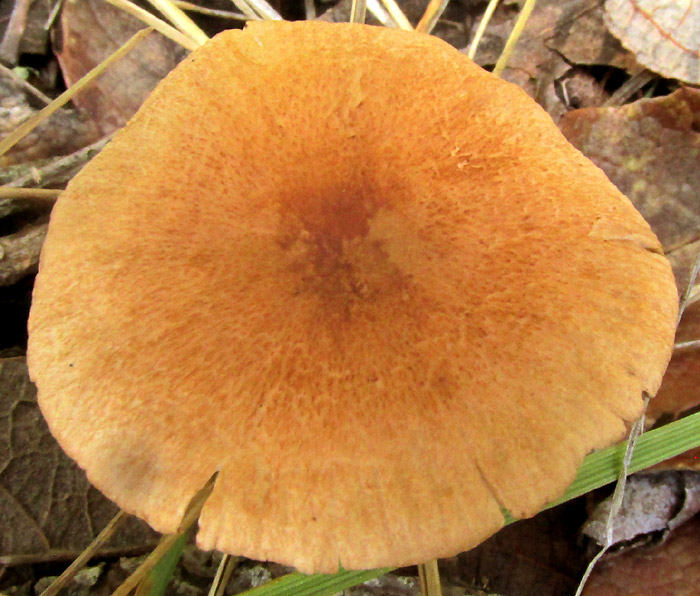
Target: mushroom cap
x,y
366,281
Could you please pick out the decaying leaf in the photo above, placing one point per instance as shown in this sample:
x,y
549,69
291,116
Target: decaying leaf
x,y
669,569
650,150
92,30
654,503
48,510
663,34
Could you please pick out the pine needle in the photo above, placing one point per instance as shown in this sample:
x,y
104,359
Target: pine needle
x,y
153,21
181,21
514,36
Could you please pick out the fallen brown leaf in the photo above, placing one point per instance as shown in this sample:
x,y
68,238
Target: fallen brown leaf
x,y
92,30
670,569
48,510
649,149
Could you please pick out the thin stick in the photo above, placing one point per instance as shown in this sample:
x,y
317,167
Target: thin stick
x,y
41,194
618,495
64,579
397,14
514,36
431,15
181,21
188,519
690,288
310,9
488,13
211,12
11,74
153,21
429,577
358,12
31,123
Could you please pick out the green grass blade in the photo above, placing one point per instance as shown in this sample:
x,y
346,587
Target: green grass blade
x,y
598,469
158,578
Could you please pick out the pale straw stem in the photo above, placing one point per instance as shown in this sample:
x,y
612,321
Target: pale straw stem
x,y
514,36
397,14
180,20
485,19
153,21
31,123
358,12
431,15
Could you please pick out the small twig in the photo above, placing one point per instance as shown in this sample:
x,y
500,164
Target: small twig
x,y
31,123
41,194
431,15
53,15
488,13
24,84
358,12
629,88
59,170
180,20
514,36
690,288
377,11
618,495
159,25
64,579
9,48
687,346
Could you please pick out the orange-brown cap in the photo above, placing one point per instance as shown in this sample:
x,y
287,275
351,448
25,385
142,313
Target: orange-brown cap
x,y
367,282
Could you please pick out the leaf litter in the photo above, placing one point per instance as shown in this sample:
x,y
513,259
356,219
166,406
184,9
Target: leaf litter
x,y
553,55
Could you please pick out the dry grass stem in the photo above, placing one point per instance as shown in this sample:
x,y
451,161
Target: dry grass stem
x,y
397,14
265,10
245,8
64,579
31,123
223,575
42,194
188,520
485,20
180,20
429,578
159,25
211,12
514,36
432,14
358,12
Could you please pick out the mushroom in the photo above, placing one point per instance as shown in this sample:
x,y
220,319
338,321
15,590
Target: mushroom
x,y
366,281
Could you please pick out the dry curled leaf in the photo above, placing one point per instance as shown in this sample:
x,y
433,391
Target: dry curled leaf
x,y
663,34
61,514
